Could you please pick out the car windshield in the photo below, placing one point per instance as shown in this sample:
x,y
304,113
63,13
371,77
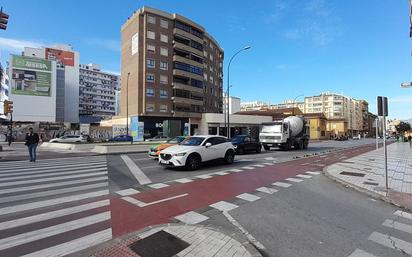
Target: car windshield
x,y
192,141
175,140
237,139
275,128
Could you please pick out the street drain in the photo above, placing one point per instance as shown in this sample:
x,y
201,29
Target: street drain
x,y
355,174
160,244
371,183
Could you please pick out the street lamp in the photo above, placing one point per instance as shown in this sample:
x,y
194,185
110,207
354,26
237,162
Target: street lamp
x,y
225,107
127,105
228,86
293,107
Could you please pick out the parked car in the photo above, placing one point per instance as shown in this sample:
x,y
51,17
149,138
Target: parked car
x,y
121,138
195,150
69,139
244,143
341,138
158,138
154,150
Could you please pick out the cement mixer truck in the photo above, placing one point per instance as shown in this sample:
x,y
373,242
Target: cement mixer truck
x,y
291,132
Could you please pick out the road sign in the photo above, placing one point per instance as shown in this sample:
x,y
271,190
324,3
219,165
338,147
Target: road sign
x,y
382,106
8,107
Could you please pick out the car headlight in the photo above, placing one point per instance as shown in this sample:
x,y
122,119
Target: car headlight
x,y
180,154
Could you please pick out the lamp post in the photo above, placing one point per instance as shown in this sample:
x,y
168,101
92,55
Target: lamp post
x,y
127,104
293,107
228,86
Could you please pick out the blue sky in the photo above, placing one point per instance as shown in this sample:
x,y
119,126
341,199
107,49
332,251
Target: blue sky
x,y
358,48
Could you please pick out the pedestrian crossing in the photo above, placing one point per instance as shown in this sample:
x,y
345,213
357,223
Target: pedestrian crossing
x,y
54,207
394,235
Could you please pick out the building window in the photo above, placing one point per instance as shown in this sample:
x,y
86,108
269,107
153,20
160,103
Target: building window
x,y
211,79
151,34
151,19
164,65
164,79
150,63
205,76
150,92
150,107
164,38
164,24
163,108
150,78
151,48
163,93
164,51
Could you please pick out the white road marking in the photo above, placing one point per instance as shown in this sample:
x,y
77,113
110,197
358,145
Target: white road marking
x,y
303,176
361,253
204,176
46,167
183,180
259,165
296,180
397,225
313,172
391,242
135,170
306,163
191,218
158,185
248,168
46,171
248,197
55,201
51,215
128,191
235,170
53,230
224,206
20,197
269,158
74,245
221,173
268,163
403,214
267,190
281,184
251,238
143,204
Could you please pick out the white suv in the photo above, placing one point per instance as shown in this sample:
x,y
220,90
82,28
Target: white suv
x,y
194,150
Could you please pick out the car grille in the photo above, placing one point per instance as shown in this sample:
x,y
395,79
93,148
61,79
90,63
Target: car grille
x,y
271,137
166,156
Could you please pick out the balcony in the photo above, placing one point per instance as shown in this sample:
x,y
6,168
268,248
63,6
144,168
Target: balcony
x,y
187,48
177,85
188,101
177,58
186,74
187,35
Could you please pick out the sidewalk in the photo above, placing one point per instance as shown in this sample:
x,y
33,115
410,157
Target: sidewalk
x,y
366,173
177,240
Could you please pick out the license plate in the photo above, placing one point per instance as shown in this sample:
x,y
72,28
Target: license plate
x,y
165,162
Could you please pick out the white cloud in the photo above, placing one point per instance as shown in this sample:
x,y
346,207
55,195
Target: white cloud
x,y
110,44
115,72
15,45
402,99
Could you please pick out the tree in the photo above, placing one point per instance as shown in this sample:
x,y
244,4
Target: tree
x,y
402,127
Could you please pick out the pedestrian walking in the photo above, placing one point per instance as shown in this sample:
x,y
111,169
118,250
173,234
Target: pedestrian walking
x,y
410,141
9,137
32,139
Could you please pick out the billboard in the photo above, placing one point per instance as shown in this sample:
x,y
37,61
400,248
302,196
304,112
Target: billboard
x,y
136,128
30,76
63,57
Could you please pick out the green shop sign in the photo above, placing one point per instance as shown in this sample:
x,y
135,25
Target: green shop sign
x,y
24,62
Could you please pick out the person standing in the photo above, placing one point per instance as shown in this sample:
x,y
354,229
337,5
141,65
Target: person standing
x,y
410,140
32,139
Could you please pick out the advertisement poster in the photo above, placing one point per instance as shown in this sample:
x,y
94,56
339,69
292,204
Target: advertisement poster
x,y
118,130
30,76
84,129
63,57
136,128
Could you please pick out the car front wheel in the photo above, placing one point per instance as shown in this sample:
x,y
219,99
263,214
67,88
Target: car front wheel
x,y
229,157
193,162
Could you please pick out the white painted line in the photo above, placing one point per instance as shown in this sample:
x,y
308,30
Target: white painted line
x,y
65,183
248,197
221,173
17,174
361,253
158,185
269,158
281,184
191,218
306,163
34,235
51,215
268,163
248,168
135,170
55,201
296,180
74,245
303,176
143,204
54,160
313,172
251,238
204,176
128,191
267,190
235,170
224,206
391,242
24,165
48,167
15,198
259,165
183,180
23,182
403,214
397,225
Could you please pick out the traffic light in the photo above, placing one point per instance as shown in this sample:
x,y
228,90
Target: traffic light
x,y
4,18
8,107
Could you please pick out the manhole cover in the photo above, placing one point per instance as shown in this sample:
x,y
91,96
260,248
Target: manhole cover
x,y
160,244
348,173
371,183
